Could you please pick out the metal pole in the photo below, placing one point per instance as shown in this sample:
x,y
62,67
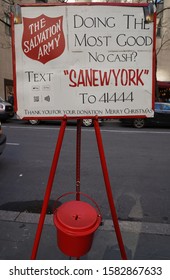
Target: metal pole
x,y
108,189
48,188
78,155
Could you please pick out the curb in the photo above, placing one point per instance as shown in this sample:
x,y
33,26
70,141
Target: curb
x,y
107,225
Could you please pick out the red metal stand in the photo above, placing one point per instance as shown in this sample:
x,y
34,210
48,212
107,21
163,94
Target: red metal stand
x,y
49,188
108,189
78,156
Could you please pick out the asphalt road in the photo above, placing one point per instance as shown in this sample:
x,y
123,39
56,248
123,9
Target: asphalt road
x,y
138,165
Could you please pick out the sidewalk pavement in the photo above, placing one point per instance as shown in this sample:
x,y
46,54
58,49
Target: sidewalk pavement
x,y
142,241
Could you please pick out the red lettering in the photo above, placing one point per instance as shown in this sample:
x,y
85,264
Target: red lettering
x,y
88,77
138,78
124,77
132,77
115,76
94,78
72,75
81,80
104,78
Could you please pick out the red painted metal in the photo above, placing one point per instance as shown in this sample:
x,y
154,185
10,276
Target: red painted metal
x,y
76,222
78,156
108,189
48,188
51,178
14,61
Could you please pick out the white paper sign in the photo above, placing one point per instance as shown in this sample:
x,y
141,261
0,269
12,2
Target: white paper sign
x,y
83,61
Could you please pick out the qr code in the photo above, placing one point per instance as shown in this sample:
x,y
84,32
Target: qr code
x,y
36,98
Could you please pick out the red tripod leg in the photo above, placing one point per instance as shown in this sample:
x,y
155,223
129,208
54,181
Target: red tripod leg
x,y
48,188
108,189
78,156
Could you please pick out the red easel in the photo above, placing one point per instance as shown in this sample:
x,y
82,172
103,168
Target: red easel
x,y
51,179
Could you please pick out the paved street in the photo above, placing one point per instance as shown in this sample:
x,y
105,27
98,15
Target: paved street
x,y
138,164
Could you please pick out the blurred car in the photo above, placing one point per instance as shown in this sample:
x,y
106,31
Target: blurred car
x,y
2,140
6,110
85,122
161,117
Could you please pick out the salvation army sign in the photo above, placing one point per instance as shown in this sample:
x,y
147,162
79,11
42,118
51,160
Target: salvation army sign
x,y
84,60
43,38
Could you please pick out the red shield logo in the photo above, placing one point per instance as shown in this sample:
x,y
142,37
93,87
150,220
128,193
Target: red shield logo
x,y
43,38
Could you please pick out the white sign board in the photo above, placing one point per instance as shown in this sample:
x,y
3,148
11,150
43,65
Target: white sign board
x,y
84,60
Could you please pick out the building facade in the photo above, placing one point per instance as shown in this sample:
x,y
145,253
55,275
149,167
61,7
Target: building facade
x,y
163,41
6,81
6,73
